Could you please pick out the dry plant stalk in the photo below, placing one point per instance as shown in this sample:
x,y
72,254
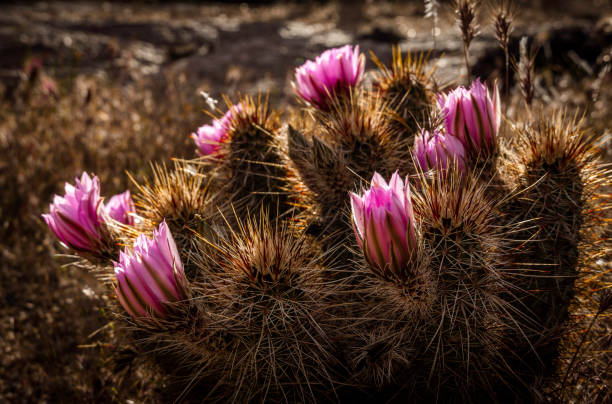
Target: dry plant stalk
x,y
466,11
504,15
431,11
526,70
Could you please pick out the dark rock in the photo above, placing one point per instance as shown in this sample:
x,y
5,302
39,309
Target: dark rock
x,y
379,34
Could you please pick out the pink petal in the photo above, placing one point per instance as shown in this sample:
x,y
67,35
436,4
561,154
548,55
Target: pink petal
x,y
378,181
358,213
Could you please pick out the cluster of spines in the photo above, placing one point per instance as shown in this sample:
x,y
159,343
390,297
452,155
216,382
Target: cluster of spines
x,y
248,169
267,295
408,87
564,185
351,140
475,278
181,196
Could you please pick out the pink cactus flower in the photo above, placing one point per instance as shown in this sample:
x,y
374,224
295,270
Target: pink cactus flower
x,y
74,217
473,116
150,275
384,223
208,138
437,150
49,86
334,70
119,208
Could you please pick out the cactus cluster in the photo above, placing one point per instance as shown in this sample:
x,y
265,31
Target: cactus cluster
x,y
389,244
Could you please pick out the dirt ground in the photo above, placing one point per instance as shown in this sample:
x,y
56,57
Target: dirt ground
x,y
108,87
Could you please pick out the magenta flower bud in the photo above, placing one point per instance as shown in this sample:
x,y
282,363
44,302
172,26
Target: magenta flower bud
x,y
150,275
384,223
334,70
437,150
473,116
208,138
119,208
74,217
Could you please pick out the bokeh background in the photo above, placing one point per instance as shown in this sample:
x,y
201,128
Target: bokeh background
x,y
108,87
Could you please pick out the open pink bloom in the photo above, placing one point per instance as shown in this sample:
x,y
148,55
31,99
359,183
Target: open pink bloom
x,y
334,70
119,208
473,116
150,275
437,150
74,217
384,222
208,138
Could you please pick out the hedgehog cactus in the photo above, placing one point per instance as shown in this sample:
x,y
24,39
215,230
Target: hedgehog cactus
x,y
277,273
352,140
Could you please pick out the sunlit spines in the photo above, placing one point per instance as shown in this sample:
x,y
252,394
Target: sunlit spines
x,y
183,197
250,173
322,169
564,176
265,289
565,195
472,260
407,86
359,126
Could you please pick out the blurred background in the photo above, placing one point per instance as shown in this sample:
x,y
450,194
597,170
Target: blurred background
x,y
108,87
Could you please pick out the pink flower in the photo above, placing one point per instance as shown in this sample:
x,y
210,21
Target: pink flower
x,y
384,223
473,116
208,138
150,275
119,208
48,86
74,217
435,151
334,70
